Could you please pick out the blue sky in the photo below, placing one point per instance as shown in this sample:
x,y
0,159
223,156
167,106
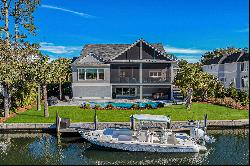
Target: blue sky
x,y
186,28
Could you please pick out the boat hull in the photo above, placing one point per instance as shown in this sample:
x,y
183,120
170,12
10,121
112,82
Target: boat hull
x,y
144,147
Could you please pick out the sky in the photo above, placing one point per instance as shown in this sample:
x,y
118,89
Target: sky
x,y
187,29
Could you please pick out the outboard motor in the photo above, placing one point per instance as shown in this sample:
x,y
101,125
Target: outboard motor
x,y
201,134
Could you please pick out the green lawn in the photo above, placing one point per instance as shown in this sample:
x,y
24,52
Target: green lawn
x,y
177,112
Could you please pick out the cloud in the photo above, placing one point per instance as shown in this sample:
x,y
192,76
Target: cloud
x,y
176,50
51,48
67,10
189,57
243,30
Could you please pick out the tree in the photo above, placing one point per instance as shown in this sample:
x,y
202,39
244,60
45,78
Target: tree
x,y
61,72
13,68
21,13
42,74
192,76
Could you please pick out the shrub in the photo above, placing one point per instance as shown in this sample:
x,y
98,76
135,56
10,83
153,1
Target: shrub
x,y
160,105
232,92
109,106
87,106
135,107
148,106
243,98
97,106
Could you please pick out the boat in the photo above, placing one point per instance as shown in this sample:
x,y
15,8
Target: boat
x,y
148,138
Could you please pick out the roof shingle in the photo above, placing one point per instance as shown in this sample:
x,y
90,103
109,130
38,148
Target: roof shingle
x,y
105,52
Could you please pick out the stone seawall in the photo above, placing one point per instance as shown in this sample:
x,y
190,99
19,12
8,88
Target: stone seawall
x,y
212,124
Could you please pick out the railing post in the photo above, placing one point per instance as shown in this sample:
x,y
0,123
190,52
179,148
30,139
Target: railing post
x,y
95,121
132,122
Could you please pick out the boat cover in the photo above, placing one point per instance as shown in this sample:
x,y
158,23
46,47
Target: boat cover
x,y
155,118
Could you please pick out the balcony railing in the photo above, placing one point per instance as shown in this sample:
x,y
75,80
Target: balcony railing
x,y
133,80
156,80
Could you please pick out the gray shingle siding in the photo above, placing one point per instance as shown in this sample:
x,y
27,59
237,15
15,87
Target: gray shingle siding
x,y
92,91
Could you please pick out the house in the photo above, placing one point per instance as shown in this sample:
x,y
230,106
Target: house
x,y
139,70
230,69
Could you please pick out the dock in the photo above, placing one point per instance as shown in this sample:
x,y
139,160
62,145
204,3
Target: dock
x,y
74,127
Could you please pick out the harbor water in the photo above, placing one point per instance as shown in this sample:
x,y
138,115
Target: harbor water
x,y
230,148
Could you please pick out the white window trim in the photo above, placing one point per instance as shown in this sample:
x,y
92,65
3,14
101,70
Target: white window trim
x,y
245,69
155,71
246,82
79,73
85,78
123,91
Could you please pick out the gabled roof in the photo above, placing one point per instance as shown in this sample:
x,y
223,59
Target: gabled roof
x,y
232,58
235,57
157,47
244,57
214,60
107,52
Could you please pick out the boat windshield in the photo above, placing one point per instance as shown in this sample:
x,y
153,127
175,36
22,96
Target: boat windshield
x,y
153,118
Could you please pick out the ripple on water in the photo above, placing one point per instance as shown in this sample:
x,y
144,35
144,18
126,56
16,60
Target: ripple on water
x,y
231,147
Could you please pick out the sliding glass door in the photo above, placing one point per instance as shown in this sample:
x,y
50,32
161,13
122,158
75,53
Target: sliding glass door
x,y
126,91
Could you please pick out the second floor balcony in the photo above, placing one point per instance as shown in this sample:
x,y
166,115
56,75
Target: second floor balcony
x,y
146,74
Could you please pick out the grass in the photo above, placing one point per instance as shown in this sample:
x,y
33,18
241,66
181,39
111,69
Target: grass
x,y
177,112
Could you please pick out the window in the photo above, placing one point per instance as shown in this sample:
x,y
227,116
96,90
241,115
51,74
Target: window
x,y
119,91
232,82
242,66
244,82
245,66
154,74
90,74
126,91
100,74
223,79
81,74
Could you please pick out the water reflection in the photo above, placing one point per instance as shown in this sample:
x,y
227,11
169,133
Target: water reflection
x,y
231,147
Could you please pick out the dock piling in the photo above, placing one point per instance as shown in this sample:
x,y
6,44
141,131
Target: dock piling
x,y
58,120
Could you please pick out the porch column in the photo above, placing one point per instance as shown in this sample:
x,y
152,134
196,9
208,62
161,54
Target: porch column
x,y
140,73
140,49
171,79
140,92
172,92
140,80
171,73
111,91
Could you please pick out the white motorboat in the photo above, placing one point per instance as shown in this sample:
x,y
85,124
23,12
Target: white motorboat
x,y
145,139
